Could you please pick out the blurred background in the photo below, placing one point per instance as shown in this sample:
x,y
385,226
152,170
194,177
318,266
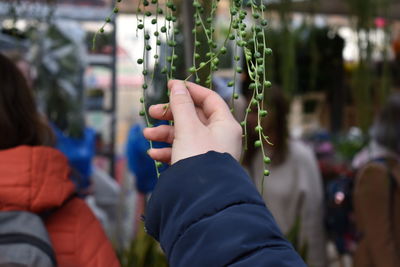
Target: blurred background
x,y
336,62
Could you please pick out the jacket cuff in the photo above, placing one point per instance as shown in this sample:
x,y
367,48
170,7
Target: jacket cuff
x,y
195,188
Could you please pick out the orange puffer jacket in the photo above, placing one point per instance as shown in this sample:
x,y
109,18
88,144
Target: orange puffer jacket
x,y
36,179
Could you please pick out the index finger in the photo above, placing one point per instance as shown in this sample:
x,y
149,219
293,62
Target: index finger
x,y
209,101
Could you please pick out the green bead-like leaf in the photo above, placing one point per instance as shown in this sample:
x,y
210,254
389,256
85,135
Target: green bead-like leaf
x,y
267,160
257,143
223,50
267,84
263,113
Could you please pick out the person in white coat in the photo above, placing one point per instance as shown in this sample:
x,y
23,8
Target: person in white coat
x,y
293,191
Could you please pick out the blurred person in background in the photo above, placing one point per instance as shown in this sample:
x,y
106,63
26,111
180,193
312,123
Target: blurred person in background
x,y
35,177
377,191
293,191
139,162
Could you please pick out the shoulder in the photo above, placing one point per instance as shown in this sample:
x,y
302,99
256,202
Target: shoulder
x,y
373,166
74,227
70,221
301,152
371,171
372,180
306,168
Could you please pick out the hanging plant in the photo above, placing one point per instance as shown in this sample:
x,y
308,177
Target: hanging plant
x,y
249,41
385,79
365,12
57,52
287,41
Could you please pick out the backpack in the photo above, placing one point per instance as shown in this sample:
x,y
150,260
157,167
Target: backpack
x,y
339,211
393,186
24,241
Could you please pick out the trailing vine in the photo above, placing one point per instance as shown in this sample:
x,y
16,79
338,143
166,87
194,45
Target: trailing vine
x,y
252,44
247,41
107,20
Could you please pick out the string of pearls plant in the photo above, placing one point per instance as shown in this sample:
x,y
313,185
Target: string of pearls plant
x,y
247,41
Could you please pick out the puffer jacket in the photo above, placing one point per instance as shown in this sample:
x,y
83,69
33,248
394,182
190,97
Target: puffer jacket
x,y
36,179
205,211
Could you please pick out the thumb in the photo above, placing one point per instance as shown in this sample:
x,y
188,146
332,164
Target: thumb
x,y
182,106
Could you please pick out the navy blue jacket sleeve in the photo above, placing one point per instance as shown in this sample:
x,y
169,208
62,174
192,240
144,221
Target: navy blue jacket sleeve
x,y
205,211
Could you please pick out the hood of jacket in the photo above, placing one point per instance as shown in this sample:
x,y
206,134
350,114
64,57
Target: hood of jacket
x,y
33,179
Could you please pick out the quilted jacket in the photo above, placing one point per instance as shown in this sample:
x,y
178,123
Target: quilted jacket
x,y
205,211
36,179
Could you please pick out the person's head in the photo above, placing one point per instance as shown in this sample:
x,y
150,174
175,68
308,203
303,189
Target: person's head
x,y
20,121
386,129
275,125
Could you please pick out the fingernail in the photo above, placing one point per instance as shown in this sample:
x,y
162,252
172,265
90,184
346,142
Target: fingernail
x,y
179,91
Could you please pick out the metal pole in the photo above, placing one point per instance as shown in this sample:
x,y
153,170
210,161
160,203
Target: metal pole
x,y
188,24
114,89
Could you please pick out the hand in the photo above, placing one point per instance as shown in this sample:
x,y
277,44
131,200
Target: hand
x,y
202,123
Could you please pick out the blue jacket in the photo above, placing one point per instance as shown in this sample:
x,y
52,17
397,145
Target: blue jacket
x,y
205,211
139,162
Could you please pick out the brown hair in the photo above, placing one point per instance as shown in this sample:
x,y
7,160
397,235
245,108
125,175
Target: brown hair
x,y
275,125
20,121
386,130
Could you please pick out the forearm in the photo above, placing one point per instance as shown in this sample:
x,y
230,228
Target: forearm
x,y
206,210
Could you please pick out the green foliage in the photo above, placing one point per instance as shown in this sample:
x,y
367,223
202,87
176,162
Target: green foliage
x,y
365,11
208,53
293,237
102,41
347,148
143,252
57,56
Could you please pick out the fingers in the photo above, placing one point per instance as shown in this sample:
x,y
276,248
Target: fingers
x,y
202,116
161,154
162,133
182,107
212,104
163,112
